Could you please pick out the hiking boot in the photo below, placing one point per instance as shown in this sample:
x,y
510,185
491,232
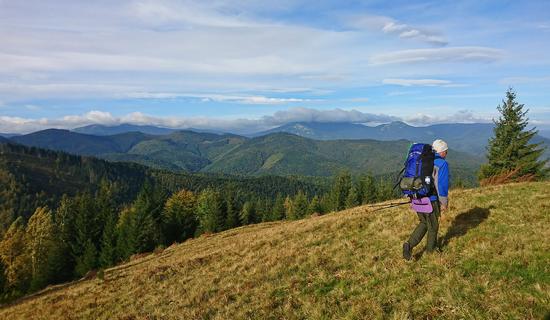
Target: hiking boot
x,y
407,251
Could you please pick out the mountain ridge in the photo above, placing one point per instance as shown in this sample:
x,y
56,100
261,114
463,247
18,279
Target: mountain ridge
x,y
277,153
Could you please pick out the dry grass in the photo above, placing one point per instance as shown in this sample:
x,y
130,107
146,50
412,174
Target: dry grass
x,y
507,177
347,265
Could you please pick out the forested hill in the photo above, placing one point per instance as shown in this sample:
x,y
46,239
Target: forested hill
x,y
284,154
32,177
272,154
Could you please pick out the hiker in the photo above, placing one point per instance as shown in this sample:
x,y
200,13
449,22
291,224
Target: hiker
x,y
429,221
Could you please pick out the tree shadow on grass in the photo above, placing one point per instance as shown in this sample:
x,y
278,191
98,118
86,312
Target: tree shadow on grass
x,y
464,222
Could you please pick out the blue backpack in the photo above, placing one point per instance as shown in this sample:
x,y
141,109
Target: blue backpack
x,y
417,181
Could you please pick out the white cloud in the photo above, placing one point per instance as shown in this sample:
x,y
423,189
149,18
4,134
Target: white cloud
x,y
417,82
334,115
406,32
391,26
451,54
462,116
24,125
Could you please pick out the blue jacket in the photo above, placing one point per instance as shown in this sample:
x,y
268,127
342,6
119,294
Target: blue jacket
x,y
441,179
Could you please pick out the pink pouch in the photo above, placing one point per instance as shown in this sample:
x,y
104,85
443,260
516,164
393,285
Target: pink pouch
x,y
423,205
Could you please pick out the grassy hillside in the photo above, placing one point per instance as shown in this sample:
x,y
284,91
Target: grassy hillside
x,y
495,263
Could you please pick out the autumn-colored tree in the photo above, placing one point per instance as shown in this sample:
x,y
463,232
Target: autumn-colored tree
x,y
14,257
40,245
178,218
289,208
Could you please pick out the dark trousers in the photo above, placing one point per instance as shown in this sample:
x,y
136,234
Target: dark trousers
x,y
429,222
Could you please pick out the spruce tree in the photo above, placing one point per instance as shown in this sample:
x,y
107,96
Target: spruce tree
x,y
384,190
340,189
107,254
248,211
314,206
352,199
87,260
300,205
148,209
126,236
368,192
64,219
209,211
86,234
232,216
510,149
278,212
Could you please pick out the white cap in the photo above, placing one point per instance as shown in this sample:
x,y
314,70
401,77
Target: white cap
x,y
440,146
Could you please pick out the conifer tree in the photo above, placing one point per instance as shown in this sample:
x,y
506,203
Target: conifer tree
x,y
179,220
289,209
126,236
209,211
14,257
339,193
384,190
367,189
86,234
87,260
260,211
232,216
107,254
314,206
148,209
278,212
510,149
300,205
248,213
40,245
64,220
352,199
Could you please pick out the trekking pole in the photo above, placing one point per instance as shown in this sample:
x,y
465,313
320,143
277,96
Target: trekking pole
x,y
390,205
385,204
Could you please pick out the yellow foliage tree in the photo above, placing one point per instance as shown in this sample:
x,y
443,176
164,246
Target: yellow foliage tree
x,y
14,257
179,220
40,243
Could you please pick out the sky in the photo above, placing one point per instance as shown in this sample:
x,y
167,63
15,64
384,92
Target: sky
x,y
246,66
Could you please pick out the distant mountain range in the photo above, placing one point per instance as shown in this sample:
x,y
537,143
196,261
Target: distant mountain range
x,y
313,149
472,138
464,137
271,154
8,135
102,130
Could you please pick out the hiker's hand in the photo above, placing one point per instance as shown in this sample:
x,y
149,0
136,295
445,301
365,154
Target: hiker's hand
x,y
443,207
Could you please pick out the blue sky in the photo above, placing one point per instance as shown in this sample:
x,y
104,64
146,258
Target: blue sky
x,y
250,65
